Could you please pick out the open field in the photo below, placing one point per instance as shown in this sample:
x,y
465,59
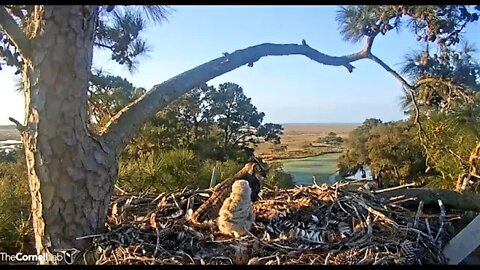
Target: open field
x,y
297,138
9,133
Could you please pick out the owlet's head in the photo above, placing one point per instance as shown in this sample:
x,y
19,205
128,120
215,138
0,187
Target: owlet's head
x,y
242,188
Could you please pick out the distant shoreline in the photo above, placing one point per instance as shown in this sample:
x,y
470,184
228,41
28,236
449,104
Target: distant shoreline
x,y
322,124
299,156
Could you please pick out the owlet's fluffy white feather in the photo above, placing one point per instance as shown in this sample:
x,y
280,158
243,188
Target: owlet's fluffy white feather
x,y
236,214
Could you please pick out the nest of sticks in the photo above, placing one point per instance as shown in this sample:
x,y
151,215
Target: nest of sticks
x,y
302,225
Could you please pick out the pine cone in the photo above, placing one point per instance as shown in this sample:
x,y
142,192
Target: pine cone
x,y
408,253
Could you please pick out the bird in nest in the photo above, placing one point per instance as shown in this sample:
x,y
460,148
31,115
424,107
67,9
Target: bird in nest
x,y
236,215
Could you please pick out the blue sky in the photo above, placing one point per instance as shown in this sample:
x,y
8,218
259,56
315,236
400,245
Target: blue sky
x,y
287,88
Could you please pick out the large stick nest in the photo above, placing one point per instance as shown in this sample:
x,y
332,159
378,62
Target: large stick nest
x,y
302,225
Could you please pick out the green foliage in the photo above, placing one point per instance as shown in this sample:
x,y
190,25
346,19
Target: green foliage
x,y
277,177
356,151
108,95
447,90
159,172
394,151
389,149
171,171
430,23
355,22
445,80
234,114
15,227
119,31
212,122
453,136
271,132
331,139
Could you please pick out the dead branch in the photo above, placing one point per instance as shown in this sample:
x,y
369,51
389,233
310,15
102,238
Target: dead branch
x,y
122,127
467,201
18,125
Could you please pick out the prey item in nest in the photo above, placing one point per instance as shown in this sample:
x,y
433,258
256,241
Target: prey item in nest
x,y
253,172
236,216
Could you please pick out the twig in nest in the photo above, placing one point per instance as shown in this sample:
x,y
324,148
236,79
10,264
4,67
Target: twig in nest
x,y
89,236
122,192
394,188
428,228
157,247
402,201
442,219
186,254
417,215
341,207
378,214
327,258
175,201
158,197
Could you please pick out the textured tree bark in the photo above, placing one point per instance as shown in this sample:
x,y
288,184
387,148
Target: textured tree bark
x,y
71,174
468,201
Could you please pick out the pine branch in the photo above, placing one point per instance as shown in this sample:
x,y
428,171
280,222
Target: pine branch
x,y
16,34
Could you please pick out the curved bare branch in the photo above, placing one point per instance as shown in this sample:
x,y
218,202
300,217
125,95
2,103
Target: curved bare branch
x,y
124,124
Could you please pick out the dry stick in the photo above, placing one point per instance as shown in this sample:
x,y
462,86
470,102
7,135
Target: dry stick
x,y
442,219
377,213
351,182
417,215
157,247
428,229
175,201
89,236
365,258
184,253
394,188
402,201
158,197
341,207
397,198
337,201
369,225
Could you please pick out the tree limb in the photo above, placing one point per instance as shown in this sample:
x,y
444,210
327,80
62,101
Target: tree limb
x,y
16,34
123,126
18,125
468,201
397,76
410,90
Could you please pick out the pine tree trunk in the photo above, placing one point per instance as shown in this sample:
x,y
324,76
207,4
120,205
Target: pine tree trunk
x,y
71,173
